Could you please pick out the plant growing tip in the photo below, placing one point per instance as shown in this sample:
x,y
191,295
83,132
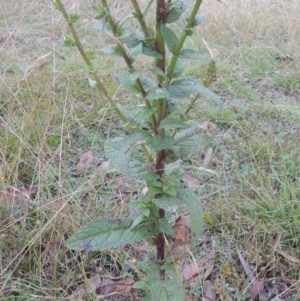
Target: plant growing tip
x,y
156,130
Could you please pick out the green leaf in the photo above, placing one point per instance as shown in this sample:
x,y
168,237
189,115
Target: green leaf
x,y
179,67
148,83
126,159
172,123
157,93
139,115
186,141
157,289
73,17
140,219
111,49
174,170
104,234
158,71
166,202
194,206
136,51
132,40
163,226
68,41
125,79
192,54
149,51
176,9
160,142
169,37
188,85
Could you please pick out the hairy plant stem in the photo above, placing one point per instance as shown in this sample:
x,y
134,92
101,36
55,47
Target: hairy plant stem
x,y
161,14
181,40
140,18
89,63
129,62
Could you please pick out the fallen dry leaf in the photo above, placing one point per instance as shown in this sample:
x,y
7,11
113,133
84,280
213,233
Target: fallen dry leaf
x,y
182,229
256,289
107,286
86,160
208,292
205,263
287,256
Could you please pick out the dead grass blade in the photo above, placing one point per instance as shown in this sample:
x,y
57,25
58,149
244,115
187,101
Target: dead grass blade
x,y
86,160
23,195
288,256
204,264
257,285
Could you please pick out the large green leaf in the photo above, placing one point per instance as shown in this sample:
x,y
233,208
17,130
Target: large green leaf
x,y
194,206
125,79
103,234
180,67
137,115
160,142
188,85
172,123
176,9
132,40
157,289
192,54
157,93
126,159
169,37
186,141
166,202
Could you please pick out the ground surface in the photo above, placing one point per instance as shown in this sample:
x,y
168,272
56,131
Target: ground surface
x,y
51,116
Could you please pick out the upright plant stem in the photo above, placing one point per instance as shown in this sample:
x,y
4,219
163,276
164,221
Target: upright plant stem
x,y
161,14
128,61
140,18
182,38
89,63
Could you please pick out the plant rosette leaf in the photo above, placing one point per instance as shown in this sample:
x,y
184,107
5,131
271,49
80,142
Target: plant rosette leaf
x,y
104,234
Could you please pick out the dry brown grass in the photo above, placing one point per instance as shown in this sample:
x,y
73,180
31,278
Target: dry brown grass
x,y
52,117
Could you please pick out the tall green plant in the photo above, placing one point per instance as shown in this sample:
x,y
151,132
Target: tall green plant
x,y
156,131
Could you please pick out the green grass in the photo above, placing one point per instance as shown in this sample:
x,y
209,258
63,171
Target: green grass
x,y
52,117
